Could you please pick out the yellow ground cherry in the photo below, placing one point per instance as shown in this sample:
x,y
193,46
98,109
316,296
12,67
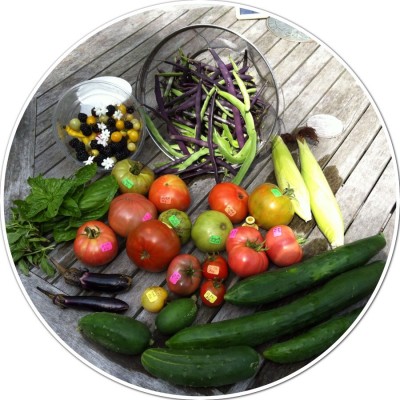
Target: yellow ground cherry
x,y
90,120
131,146
116,136
133,135
154,298
136,124
122,108
129,117
120,124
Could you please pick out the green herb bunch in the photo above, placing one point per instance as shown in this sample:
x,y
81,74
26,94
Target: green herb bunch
x,y
53,211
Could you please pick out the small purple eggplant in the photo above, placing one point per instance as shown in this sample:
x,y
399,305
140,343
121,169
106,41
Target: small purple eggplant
x,y
110,283
92,303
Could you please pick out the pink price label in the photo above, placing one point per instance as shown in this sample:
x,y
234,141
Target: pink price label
x,y
233,233
147,217
175,277
107,246
277,231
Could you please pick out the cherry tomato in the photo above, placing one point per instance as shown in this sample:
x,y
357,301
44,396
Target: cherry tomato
x,y
269,206
215,267
95,244
229,199
245,261
243,235
152,245
128,210
184,274
169,191
282,246
212,292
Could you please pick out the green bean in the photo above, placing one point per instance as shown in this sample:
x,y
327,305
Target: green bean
x,y
243,90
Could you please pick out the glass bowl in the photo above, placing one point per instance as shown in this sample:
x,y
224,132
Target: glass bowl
x,y
95,140
195,41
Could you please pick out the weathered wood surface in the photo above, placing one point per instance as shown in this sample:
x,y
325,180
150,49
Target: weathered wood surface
x,y
359,165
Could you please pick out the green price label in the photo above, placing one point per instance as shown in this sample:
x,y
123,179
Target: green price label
x,y
127,183
174,220
276,192
215,239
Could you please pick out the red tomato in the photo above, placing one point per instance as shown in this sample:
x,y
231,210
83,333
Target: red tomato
x,y
282,246
152,245
184,274
269,206
212,292
229,199
169,191
128,210
95,244
242,236
215,267
245,261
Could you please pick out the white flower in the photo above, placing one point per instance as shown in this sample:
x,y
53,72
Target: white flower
x,y
118,114
102,140
102,125
100,111
108,163
89,160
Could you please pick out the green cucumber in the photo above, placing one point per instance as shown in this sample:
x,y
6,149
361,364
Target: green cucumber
x,y
274,285
311,343
202,367
260,327
118,333
176,315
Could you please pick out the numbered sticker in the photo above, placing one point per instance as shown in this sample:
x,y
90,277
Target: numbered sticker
x,y
213,269
106,247
211,297
276,192
230,211
174,220
127,183
215,239
277,231
152,296
233,233
175,277
165,199
147,217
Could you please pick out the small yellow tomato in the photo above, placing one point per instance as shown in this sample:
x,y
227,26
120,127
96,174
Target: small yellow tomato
x,y
120,124
90,120
129,117
116,136
131,147
133,135
122,108
154,298
136,124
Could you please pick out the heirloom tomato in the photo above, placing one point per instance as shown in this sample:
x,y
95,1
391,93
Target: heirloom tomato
x,y
210,231
95,244
133,176
243,235
169,191
154,298
184,274
152,245
215,267
246,261
128,210
212,292
179,221
282,246
269,206
229,199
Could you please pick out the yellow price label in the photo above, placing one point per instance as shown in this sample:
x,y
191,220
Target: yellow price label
x,y
211,297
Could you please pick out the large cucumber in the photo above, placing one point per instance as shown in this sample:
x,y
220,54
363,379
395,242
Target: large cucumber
x,y
202,367
118,333
311,343
303,312
274,285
